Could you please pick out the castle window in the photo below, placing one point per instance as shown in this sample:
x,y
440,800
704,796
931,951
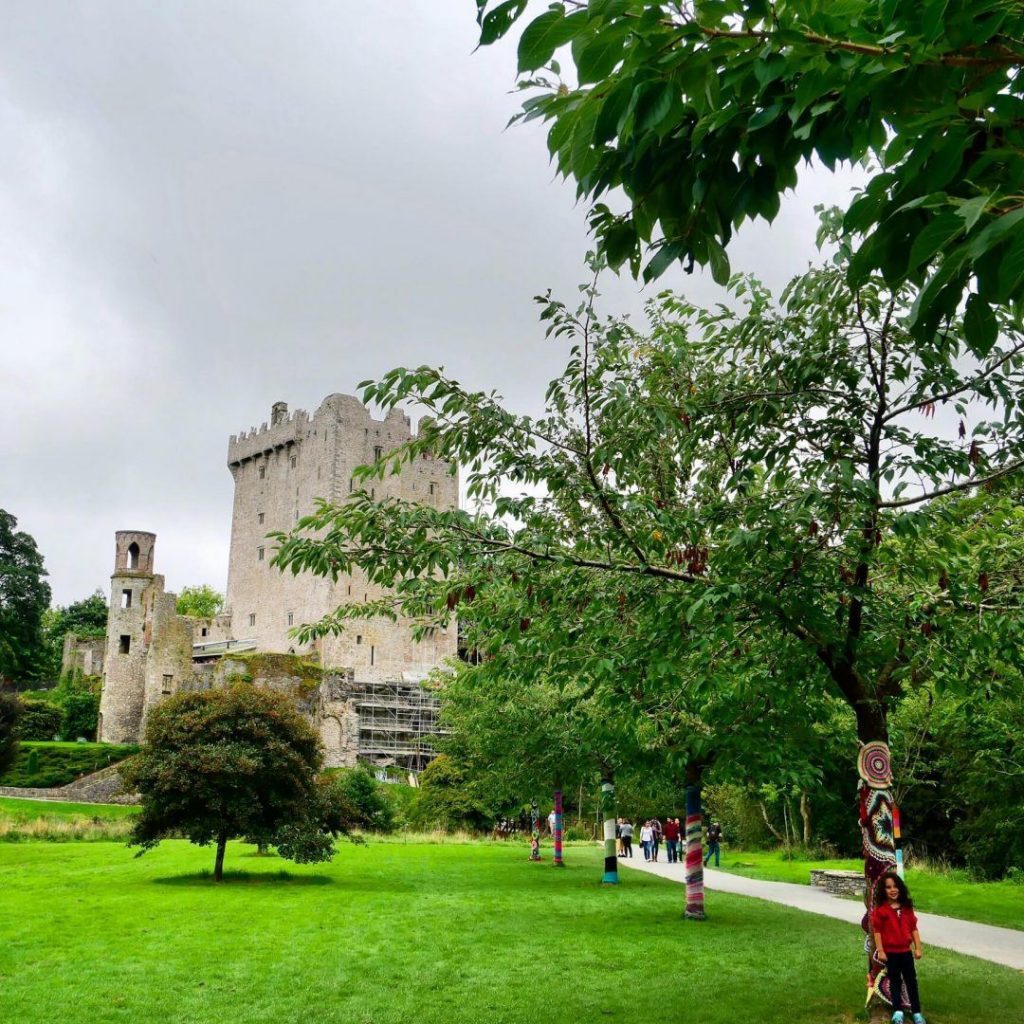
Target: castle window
x,y
291,618
296,515
295,460
166,687
351,485
252,618
260,552
260,516
371,654
133,555
378,451
350,590
432,487
125,644
359,639
205,631
126,599
263,472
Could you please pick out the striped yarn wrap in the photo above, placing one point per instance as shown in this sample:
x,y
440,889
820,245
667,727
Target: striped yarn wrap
x,y
694,857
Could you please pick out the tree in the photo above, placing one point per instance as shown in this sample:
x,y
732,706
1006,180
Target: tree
x,y
779,465
24,597
86,618
369,809
10,712
222,764
703,113
200,602
39,720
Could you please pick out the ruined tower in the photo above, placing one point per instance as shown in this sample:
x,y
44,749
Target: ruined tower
x,y
149,647
279,471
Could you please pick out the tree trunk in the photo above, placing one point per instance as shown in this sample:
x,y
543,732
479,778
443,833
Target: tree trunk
x,y
218,864
611,861
874,795
694,846
558,862
768,824
805,814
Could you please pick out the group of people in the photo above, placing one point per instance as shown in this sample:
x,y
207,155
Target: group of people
x,y
653,834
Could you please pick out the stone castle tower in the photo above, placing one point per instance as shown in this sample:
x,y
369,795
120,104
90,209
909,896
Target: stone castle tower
x,y
149,646
279,471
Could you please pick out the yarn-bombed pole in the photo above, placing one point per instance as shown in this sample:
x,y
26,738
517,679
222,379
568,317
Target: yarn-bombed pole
x,y
534,831
878,832
694,866
558,862
611,861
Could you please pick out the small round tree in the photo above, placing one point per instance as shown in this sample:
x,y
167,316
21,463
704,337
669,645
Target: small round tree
x,y
223,764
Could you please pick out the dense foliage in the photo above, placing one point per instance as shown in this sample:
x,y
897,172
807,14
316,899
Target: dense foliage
x,y
86,618
10,712
702,115
200,602
24,597
221,764
40,720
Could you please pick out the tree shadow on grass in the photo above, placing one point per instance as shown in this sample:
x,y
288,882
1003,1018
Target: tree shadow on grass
x,y
237,877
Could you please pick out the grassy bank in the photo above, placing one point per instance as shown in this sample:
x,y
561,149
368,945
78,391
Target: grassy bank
x,y
391,933
947,892
44,765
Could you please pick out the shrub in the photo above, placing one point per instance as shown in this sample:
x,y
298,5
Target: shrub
x,y
10,713
370,809
40,720
80,715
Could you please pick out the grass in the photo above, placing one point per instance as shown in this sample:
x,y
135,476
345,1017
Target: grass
x,y
57,764
52,821
391,933
935,891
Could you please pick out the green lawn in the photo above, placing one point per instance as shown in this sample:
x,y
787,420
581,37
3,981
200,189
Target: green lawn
x,y
45,764
417,934
937,892
53,810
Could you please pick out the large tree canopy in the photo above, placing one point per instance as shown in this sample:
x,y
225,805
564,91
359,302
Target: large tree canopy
x,y
703,113
24,597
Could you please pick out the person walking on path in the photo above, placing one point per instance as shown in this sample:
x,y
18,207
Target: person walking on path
x,y
627,838
672,839
714,843
656,837
894,926
646,837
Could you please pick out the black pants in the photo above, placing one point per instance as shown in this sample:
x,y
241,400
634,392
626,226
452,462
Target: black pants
x,y
627,846
902,972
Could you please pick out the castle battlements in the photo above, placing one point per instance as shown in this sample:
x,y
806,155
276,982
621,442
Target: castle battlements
x,y
284,429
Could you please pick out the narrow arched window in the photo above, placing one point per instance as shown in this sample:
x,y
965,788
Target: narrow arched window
x,y
133,555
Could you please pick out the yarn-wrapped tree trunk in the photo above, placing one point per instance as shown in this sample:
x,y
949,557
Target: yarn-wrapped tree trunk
x,y
611,861
558,862
694,862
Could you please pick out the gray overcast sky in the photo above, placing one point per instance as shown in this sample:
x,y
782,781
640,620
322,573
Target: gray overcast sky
x,y
209,206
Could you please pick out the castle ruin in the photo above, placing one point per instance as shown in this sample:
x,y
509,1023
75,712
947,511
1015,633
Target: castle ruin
x,y
361,689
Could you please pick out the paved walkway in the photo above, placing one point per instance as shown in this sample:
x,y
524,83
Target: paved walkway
x,y
1000,945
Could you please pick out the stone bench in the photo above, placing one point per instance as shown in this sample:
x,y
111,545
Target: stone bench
x,y
838,883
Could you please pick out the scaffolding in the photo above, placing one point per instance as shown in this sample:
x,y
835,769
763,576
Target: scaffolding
x,y
397,722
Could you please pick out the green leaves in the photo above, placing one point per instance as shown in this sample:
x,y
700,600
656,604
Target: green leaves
x,y
547,33
702,126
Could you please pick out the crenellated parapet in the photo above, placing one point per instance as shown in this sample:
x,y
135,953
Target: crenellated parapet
x,y
283,430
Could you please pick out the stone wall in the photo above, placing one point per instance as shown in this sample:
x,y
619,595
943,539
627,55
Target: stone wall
x,y
83,655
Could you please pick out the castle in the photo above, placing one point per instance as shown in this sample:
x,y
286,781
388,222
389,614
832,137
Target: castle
x,y
361,689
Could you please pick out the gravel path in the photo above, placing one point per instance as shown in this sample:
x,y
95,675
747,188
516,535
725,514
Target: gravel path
x,y
1000,945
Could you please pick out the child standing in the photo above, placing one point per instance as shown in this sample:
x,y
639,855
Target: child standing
x,y
894,925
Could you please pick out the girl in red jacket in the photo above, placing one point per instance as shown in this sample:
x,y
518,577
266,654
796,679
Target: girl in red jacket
x,y
894,925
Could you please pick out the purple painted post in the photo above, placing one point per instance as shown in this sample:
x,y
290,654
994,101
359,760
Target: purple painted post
x,y
558,829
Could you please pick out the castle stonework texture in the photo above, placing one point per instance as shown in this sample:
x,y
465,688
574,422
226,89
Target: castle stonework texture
x,y
279,471
359,689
